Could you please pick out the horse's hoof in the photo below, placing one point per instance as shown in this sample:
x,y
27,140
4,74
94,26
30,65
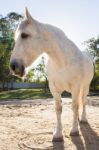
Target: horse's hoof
x,y
74,133
83,120
57,139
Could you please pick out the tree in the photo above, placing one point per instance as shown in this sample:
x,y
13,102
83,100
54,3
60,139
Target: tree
x,y
41,72
93,47
30,76
38,73
7,27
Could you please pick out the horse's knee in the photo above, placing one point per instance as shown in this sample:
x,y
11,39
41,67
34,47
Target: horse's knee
x,y
58,106
58,102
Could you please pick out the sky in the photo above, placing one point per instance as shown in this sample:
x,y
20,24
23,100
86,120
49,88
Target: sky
x,y
79,19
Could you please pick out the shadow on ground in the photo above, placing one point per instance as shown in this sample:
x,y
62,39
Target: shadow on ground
x,y
89,140
31,126
58,146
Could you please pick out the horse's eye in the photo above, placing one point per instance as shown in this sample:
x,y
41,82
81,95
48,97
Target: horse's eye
x,y
24,35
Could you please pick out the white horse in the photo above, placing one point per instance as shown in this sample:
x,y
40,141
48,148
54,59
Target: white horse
x,y
68,68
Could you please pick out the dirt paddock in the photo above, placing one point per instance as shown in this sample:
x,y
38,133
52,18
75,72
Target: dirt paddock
x,y
29,125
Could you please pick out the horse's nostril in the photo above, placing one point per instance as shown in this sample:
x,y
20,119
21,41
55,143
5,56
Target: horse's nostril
x,y
14,66
17,68
22,68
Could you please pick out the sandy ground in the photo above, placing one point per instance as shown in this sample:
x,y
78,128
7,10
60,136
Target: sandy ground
x,y
29,125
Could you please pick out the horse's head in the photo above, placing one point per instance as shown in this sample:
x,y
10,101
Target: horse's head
x,y
27,45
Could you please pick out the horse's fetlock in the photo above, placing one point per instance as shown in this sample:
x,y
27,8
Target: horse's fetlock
x,y
58,109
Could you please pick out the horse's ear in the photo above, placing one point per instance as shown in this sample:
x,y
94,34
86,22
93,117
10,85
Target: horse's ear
x,y
27,15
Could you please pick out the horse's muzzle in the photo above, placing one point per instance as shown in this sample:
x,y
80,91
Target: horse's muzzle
x,y
17,68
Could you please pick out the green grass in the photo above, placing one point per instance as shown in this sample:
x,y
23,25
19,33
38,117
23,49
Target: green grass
x,y
22,94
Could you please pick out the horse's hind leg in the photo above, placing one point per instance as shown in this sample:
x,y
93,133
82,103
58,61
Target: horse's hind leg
x,y
75,108
84,102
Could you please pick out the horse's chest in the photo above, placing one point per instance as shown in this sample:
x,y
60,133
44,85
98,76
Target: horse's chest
x,y
62,75
61,79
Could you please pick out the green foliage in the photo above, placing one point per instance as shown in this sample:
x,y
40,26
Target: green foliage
x,y
7,28
38,73
30,76
25,94
40,70
93,47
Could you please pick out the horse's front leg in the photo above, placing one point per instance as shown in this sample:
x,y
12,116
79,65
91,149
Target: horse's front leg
x,y
57,135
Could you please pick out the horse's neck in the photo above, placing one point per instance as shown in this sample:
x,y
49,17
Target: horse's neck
x,y
59,48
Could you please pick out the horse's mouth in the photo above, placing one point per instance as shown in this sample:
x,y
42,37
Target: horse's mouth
x,y
17,68
17,74
21,74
